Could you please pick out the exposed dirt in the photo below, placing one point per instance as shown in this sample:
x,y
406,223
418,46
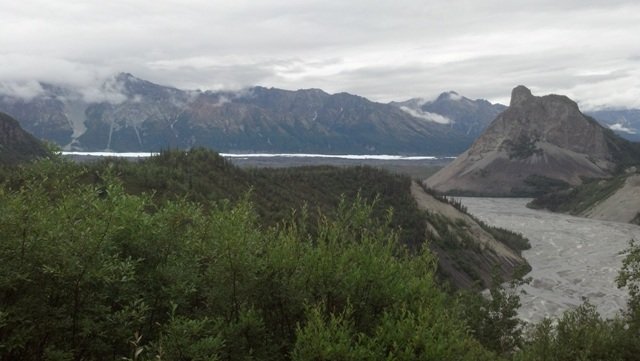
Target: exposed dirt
x,y
622,206
487,256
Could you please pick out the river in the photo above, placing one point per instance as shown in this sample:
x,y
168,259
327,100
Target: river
x,y
572,258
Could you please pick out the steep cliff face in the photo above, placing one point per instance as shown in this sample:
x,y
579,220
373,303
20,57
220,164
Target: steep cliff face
x,y
544,137
16,145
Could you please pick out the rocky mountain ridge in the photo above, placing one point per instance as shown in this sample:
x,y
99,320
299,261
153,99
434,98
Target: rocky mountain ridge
x,y
143,116
467,116
546,138
624,122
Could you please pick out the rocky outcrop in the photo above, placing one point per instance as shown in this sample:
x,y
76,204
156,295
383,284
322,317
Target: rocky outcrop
x,y
543,137
16,145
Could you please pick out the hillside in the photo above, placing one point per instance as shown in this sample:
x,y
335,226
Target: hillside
x,y
136,115
536,142
614,199
468,250
204,177
16,145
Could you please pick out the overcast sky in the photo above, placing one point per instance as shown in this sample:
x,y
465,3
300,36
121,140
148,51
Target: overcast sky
x,y
383,50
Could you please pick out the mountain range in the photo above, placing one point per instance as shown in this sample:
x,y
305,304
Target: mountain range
x,y
624,122
127,113
460,113
150,117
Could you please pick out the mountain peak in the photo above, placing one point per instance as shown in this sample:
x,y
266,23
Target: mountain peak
x,y
519,95
448,96
544,137
125,76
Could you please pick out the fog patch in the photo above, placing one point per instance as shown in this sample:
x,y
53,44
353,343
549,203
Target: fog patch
x,y
621,128
432,117
25,90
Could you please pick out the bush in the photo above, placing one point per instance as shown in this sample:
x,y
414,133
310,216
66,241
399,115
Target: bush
x,y
90,272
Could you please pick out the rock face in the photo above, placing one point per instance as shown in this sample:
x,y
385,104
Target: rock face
x,y
16,145
142,116
545,137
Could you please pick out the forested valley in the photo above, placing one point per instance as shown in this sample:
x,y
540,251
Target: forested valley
x,y
185,257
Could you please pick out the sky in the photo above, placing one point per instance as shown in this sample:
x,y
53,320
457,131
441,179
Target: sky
x,y
382,50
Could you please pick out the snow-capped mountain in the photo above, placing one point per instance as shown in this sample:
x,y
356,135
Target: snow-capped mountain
x,y
460,113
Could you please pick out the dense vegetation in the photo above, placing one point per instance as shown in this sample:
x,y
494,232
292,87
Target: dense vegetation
x,y
576,200
94,267
203,176
90,272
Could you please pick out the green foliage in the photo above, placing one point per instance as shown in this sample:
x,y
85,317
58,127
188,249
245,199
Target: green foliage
x,y
540,185
629,277
579,199
514,240
457,204
494,319
91,272
580,334
202,176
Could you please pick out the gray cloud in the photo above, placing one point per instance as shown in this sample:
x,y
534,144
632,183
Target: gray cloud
x,y
384,50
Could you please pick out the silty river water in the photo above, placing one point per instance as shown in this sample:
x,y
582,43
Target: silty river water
x,y
572,258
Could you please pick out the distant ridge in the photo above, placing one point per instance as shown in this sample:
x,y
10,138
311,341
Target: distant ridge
x,y
470,117
133,115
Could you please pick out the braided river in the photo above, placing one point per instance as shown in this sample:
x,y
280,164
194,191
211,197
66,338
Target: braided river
x,y
573,259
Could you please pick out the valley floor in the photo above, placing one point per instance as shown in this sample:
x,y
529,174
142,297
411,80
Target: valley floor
x,y
571,257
